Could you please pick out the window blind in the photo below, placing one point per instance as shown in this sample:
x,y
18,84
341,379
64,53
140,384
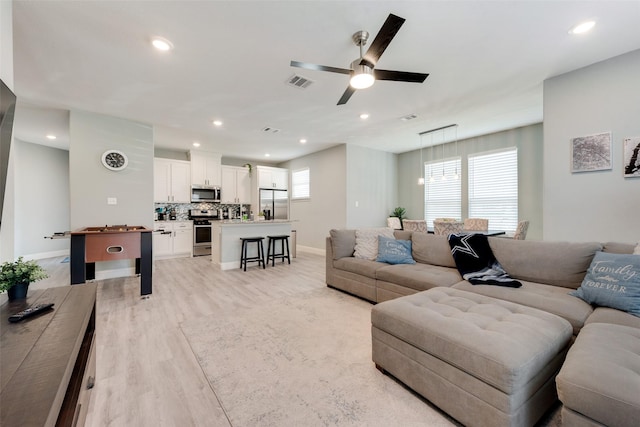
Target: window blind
x,y
300,184
493,188
442,197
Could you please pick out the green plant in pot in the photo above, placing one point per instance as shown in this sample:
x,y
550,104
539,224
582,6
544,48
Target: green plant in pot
x,y
399,212
16,276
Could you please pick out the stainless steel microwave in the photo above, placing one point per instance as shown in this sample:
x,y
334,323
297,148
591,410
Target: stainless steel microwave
x,y
205,193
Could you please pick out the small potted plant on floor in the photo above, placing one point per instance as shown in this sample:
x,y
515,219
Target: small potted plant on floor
x,y
16,276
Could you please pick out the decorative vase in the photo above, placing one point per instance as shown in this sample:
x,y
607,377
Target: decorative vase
x,y
18,291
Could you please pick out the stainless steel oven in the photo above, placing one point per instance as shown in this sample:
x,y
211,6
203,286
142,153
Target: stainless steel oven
x,y
202,234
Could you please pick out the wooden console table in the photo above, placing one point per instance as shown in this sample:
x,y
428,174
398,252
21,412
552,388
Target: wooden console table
x,y
95,244
48,361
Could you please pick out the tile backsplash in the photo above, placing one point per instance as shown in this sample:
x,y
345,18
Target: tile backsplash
x,y
182,209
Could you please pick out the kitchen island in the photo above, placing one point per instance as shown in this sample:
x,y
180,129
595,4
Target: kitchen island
x,y
226,244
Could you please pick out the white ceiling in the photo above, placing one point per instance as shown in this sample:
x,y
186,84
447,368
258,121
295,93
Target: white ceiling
x,y
487,61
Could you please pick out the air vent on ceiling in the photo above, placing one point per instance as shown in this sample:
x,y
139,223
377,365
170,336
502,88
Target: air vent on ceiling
x,y
408,117
299,81
269,129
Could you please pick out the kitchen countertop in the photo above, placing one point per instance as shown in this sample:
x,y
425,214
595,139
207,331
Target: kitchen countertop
x,y
247,222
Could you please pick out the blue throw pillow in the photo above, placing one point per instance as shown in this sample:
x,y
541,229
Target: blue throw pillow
x,y
394,251
613,280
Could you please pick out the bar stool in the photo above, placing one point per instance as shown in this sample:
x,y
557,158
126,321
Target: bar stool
x,y
284,239
244,259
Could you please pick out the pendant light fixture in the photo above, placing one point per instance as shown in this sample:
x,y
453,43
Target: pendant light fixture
x,y
444,177
456,176
421,179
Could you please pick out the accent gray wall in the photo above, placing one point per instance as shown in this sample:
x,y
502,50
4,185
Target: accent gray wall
x,y
326,208
603,205
528,140
372,184
42,198
91,183
7,234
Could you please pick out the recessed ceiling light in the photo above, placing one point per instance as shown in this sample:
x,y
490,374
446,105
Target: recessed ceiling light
x,y
582,27
196,144
303,141
217,123
162,44
364,116
267,155
51,137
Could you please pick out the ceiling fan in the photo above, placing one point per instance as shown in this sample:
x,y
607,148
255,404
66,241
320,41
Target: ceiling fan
x,y
362,70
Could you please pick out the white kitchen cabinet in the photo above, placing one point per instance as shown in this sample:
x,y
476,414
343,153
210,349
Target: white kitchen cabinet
x,y
205,168
172,239
183,238
269,177
236,185
171,181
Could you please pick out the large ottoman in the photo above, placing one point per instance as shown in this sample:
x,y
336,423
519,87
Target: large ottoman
x,y
484,361
599,383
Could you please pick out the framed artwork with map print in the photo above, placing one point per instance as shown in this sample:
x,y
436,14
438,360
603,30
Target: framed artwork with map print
x,y
591,153
631,154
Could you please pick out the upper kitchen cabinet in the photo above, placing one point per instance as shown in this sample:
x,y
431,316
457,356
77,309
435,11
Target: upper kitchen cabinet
x,y
270,177
236,185
205,168
171,181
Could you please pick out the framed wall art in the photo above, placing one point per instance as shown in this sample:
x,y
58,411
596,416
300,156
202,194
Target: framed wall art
x,y
591,153
631,155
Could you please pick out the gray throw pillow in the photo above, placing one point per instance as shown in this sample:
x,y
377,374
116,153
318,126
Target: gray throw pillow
x,y
343,242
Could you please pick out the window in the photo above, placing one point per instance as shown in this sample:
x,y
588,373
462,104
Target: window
x,y
442,190
493,188
300,184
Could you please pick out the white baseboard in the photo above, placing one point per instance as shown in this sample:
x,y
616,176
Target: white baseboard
x,y
44,255
311,250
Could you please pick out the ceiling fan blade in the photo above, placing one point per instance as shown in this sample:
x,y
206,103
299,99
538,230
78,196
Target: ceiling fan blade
x,y
319,67
346,95
382,40
400,76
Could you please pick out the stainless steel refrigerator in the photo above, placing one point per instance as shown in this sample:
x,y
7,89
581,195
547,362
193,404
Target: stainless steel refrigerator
x,y
276,202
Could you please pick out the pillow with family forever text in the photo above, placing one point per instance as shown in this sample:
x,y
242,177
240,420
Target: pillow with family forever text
x,y
612,280
394,251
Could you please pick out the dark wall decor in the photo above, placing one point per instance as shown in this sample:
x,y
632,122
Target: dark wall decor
x,y
631,155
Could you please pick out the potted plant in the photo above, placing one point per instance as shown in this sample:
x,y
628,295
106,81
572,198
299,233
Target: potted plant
x,y
399,212
16,276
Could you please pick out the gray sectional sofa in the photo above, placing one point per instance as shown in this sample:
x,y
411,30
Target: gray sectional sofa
x,y
418,320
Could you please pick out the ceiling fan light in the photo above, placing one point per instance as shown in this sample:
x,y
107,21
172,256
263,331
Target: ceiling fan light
x,y
362,77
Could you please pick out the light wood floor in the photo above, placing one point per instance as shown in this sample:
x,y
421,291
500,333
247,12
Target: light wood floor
x,y
147,374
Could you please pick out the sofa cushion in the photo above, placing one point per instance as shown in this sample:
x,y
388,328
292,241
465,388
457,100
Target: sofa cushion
x,y
600,377
432,249
402,234
618,248
613,316
613,280
552,299
364,267
367,242
394,251
503,344
553,263
418,276
343,242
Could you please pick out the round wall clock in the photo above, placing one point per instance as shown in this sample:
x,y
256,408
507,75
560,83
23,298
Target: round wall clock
x,y
114,160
